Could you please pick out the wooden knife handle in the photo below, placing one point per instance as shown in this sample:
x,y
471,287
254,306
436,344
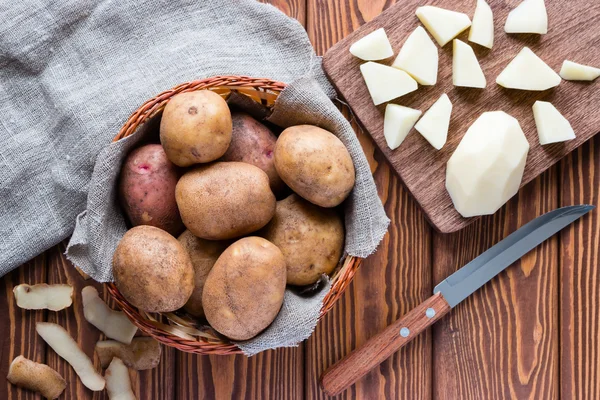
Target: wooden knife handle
x,y
381,346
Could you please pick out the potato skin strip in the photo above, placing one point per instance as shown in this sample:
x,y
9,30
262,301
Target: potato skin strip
x,y
64,345
118,384
43,296
142,353
37,377
114,324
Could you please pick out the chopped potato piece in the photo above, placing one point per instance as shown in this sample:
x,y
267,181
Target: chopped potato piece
x,y
435,122
118,384
528,72
397,123
114,324
64,345
386,83
43,296
552,127
419,57
482,28
38,377
572,71
444,25
142,353
528,17
466,71
374,46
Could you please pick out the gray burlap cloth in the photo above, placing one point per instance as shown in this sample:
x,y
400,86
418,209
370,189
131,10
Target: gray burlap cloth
x,y
72,71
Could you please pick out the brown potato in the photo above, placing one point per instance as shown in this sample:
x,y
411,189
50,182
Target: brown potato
x,y
204,254
195,127
225,200
152,270
310,237
37,377
147,189
315,164
254,143
244,290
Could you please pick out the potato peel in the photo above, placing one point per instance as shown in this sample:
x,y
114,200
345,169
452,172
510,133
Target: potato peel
x,y
114,324
142,353
118,384
38,377
43,296
64,345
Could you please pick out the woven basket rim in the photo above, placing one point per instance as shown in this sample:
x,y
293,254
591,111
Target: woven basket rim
x,y
146,322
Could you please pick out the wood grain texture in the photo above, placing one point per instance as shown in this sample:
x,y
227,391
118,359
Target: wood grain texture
x,y
381,346
580,278
390,282
421,167
502,342
18,326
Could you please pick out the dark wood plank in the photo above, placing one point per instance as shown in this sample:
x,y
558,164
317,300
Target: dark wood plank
x,y
573,34
502,342
18,326
274,374
389,283
580,278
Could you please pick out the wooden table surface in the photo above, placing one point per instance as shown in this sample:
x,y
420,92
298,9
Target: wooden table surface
x,y
533,333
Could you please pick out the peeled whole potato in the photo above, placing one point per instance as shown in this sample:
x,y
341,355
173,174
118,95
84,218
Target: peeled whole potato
x,y
195,127
245,288
311,239
204,254
147,189
152,270
315,164
253,143
225,200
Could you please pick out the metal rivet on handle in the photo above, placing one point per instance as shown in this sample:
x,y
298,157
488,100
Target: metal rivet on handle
x,y
404,332
430,313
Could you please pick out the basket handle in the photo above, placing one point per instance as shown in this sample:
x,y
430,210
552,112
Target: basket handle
x,y
381,346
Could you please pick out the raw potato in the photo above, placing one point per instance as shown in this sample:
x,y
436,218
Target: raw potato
x,y
386,83
143,352
118,384
315,164
528,72
572,71
444,25
225,200
244,290
204,254
528,17
397,123
374,46
43,296
152,270
466,71
482,28
64,345
254,143
195,127
486,168
114,324
147,189
38,377
419,57
435,122
552,127
311,239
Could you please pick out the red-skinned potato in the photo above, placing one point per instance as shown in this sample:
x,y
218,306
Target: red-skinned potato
x,y
254,143
147,189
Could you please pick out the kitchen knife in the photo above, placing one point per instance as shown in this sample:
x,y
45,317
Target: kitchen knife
x,y
446,295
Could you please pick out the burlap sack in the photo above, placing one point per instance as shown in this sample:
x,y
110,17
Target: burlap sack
x,y
87,65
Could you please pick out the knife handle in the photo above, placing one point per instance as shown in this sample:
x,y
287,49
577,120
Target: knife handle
x,y
381,346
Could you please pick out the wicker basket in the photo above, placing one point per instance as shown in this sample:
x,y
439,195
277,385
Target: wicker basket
x,y
179,331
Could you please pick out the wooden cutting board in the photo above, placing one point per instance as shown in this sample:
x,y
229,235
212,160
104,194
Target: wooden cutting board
x,y
573,34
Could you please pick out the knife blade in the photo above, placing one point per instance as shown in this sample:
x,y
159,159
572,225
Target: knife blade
x,y
447,294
